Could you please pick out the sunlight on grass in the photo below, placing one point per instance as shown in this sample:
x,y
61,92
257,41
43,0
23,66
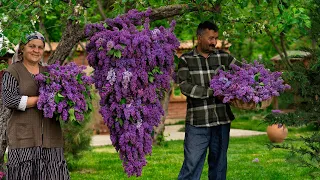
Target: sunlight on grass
x,y
165,162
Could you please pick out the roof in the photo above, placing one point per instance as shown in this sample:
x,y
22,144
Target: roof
x,y
293,55
54,46
189,44
183,45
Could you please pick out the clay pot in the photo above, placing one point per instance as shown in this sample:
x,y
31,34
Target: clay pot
x,y
277,133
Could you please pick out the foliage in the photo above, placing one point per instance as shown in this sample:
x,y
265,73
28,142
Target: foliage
x,y
307,112
77,139
243,22
3,65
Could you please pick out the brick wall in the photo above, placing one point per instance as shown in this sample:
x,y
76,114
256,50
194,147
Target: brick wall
x,y
177,110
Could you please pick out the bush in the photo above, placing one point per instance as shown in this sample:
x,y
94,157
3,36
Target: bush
x,y
77,138
306,84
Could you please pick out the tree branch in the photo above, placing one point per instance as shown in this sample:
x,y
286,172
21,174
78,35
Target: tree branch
x,y
282,41
274,43
75,33
100,7
177,9
46,35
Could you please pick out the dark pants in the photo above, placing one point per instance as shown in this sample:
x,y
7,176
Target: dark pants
x,y
196,142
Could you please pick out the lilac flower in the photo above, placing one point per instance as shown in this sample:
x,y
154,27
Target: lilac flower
x,y
110,45
63,89
111,76
276,111
126,79
250,82
129,90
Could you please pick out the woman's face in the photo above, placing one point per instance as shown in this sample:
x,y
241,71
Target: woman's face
x,y
33,51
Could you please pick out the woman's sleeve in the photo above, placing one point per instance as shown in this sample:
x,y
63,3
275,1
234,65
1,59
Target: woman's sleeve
x,y
10,93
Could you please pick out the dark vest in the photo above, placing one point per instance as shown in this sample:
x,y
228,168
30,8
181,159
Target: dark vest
x,y
29,128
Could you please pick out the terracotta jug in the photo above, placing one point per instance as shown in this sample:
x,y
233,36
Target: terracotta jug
x,y
277,133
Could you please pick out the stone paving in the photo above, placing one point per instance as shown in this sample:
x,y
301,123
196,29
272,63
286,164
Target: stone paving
x,y
172,133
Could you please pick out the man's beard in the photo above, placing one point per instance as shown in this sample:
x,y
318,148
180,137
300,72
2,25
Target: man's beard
x,y
210,49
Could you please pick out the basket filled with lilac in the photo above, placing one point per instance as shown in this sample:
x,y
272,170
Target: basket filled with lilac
x,y
65,92
249,87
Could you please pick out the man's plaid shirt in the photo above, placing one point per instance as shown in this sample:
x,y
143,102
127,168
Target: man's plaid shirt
x,y
194,75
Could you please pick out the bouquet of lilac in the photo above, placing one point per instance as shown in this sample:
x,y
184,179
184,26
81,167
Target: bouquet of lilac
x,y
248,83
65,92
133,65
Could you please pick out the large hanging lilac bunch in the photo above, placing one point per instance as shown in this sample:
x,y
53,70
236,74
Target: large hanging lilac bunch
x,y
65,92
250,82
132,65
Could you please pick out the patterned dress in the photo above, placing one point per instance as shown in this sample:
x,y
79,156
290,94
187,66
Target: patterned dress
x,y
34,163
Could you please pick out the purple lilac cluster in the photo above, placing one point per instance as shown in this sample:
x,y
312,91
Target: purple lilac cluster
x,y
65,92
132,65
250,82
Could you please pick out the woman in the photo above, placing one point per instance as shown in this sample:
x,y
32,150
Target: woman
x,y
35,143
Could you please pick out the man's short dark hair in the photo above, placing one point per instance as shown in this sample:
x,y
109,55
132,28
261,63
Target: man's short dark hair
x,y
206,25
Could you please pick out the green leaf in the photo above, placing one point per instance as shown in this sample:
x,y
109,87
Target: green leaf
x,y
105,25
70,103
79,78
123,101
46,74
307,23
3,52
111,52
151,79
60,95
35,11
90,107
55,2
261,84
131,119
58,98
48,81
71,114
117,54
256,77
100,48
120,121
71,17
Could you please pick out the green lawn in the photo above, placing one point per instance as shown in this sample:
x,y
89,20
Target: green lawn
x,y
165,162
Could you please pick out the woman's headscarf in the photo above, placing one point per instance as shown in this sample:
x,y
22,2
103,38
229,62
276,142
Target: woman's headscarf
x,y
18,51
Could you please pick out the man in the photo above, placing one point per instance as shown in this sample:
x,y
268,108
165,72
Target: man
x,y
208,119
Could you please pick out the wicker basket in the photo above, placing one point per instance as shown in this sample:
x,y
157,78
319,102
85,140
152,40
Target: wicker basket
x,y
250,105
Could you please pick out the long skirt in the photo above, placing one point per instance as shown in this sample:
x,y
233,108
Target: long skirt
x,y
37,163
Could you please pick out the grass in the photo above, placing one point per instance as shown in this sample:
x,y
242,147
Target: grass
x,y
165,162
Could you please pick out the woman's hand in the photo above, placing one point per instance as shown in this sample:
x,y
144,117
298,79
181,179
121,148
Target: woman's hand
x,y
32,101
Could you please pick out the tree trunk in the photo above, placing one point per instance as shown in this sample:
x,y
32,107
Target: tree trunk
x,y
4,116
70,37
158,136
